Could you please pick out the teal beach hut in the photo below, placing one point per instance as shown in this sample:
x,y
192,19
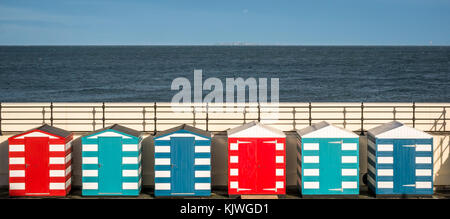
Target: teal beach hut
x,y
183,162
111,162
328,160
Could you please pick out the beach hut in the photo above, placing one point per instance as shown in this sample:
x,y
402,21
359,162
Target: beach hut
x,y
183,162
40,162
328,160
111,162
256,160
400,160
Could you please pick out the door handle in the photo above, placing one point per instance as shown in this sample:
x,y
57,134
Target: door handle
x,y
99,165
341,189
409,146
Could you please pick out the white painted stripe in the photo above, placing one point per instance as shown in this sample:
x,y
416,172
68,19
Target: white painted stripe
x,y
16,186
130,186
90,147
162,186
234,159
279,159
68,170
385,160
16,160
130,147
68,158
57,147
162,173
349,146
17,173
68,145
423,147
57,186
349,159
130,173
109,134
349,172
234,146
130,160
57,160
423,160
90,173
279,172
89,160
202,186
167,137
423,185
162,149
279,146
311,159
385,147
202,149
311,172
349,185
202,161
57,173
371,168
385,172
202,173
385,185
16,147
371,144
279,184
234,185
371,180
36,134
423,172
90,186
234,172
371,156
162,161
311,185
68,182
310,146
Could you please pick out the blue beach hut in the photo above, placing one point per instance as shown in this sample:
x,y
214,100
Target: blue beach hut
x,y
400,160
111,162
328,160
183,162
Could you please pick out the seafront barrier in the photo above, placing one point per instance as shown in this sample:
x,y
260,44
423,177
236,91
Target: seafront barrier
x,y
150,118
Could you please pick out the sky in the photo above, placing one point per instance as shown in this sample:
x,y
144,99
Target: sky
x,y
213,22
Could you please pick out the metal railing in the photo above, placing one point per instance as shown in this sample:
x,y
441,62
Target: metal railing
x,y
151,116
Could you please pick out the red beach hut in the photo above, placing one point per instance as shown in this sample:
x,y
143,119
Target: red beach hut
x,y
256,160
40,162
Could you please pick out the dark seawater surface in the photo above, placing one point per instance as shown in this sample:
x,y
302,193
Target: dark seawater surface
x,y
145,73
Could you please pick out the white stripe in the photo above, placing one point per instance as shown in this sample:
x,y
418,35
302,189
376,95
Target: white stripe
x,y
57,173
202,173
423,172
371,156
310,146
57,186
279,172
371,180
423,185
385,160
349,159
17,160
90,173
130,173
68,158
349,185
90,147
89,160
234,159
423,160
16,147
162,186
279,159
57,160
385,147
279,184
90,186
385,172
234,146
311,172
68,145
108,134
202,186
162,161
279,146
311,185
349,146
371,144
234,185
202,149
167,137
17,173
162,173
68,182
202,161
130,147
423,147
16,186
36,134
234,172
68,169
385,185
162,149
57,147
130,160
130,186
371,168
349,172
311,159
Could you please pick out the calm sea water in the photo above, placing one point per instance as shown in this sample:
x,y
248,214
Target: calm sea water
x,y
145,73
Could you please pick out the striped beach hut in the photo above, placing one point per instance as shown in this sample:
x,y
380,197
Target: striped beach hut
x,y
328,160
400,160
256,160
183,162
111,162
40,162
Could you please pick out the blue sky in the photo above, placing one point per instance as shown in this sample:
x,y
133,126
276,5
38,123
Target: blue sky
x,y
206,22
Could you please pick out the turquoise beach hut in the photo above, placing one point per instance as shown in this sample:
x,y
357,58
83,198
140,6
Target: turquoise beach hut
x,y
183,162
328,160
111,162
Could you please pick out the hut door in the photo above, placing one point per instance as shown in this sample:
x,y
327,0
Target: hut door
x,y
266,166
404,166
110,165
248,165
330,167
182,159
36,165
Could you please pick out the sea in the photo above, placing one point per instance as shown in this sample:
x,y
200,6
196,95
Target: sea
x,y
146,73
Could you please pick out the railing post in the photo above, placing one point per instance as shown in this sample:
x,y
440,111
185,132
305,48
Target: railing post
x,y
155,120
51,113
362,118
103,114
259,112
245,114
193,116
310,114
445,123
345,116
143,119
207,117
43,115
294,122
1,119
394,111
93,118
414,114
